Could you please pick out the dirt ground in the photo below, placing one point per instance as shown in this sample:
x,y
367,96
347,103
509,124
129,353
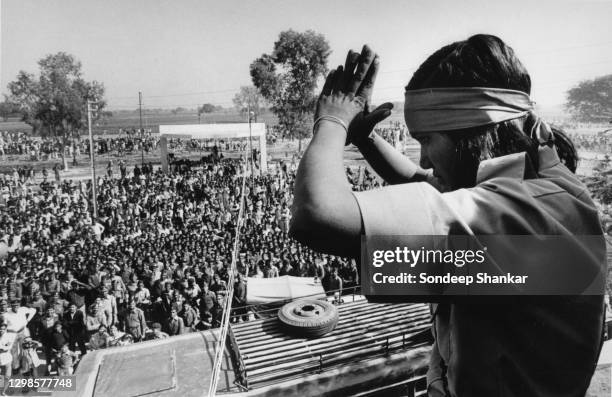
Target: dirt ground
x,y
281,151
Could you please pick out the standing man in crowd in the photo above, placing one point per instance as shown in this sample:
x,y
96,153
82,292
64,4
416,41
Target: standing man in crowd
x,y
175,323
189,315
134,322
6,346
74,322
56,171
240,298
109,305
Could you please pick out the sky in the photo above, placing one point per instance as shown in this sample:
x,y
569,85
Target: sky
x,y
188,52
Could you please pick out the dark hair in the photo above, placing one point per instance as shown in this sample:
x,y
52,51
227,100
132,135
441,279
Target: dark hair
x,y
486,61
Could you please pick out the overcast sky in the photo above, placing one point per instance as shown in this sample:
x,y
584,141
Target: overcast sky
x,y
188,52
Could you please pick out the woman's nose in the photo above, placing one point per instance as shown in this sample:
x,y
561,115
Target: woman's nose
x,y
424,160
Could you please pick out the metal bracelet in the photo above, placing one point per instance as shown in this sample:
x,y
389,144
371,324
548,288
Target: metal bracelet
x,y
333,119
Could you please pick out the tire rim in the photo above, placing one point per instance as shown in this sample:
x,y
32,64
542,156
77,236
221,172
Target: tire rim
x,y
308,310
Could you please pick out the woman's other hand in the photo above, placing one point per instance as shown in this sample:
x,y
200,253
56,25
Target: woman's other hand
x,y
363,124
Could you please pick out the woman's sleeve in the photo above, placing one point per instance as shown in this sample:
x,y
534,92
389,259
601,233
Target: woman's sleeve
x,y
406,209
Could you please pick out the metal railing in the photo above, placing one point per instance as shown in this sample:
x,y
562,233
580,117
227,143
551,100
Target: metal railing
x,y
358,352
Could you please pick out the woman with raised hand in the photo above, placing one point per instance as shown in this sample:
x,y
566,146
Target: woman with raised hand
x,y
489,166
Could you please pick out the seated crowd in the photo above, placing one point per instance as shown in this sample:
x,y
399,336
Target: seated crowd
x,y
153,263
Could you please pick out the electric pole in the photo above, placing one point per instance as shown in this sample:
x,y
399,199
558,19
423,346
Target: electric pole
x,y
141,130
250,143
90,105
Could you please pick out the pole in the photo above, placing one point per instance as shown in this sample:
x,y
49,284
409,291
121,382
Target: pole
x,y
74,159
141,130
220,347
93,163
250,143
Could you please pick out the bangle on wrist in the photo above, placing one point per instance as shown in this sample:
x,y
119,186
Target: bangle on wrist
x,y
333,119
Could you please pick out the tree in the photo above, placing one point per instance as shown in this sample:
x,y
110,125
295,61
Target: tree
x,y
598,183
55,102
600,188
591,100
249,99
8,109
287,78
206,108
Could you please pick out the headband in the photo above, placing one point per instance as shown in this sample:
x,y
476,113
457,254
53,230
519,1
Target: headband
x,y
448,109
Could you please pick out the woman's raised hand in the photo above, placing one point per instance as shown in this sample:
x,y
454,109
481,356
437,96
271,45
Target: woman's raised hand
x,y
347,91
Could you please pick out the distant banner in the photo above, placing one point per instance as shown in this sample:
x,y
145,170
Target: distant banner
x,y
483,265
213,131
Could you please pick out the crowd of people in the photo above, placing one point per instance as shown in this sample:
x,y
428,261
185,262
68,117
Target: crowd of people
x,y
394,132
131,140
22,144
152,263
154,260
119,144
600,143
18,143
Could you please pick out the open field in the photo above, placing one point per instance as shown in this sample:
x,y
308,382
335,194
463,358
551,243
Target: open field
x,y
131,119
152,119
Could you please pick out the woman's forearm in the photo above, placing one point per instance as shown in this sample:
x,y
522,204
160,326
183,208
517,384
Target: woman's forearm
x,y
388,162
321,170
325,213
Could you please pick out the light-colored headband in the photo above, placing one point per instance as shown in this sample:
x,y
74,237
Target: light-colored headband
x,y
448,109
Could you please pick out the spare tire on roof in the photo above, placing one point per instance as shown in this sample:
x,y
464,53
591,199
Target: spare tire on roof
x,y
309,317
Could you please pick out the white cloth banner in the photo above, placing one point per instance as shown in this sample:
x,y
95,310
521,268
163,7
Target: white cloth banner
x,y
267,290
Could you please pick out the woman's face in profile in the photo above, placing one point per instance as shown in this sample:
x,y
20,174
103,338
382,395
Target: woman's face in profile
x,y
438,153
